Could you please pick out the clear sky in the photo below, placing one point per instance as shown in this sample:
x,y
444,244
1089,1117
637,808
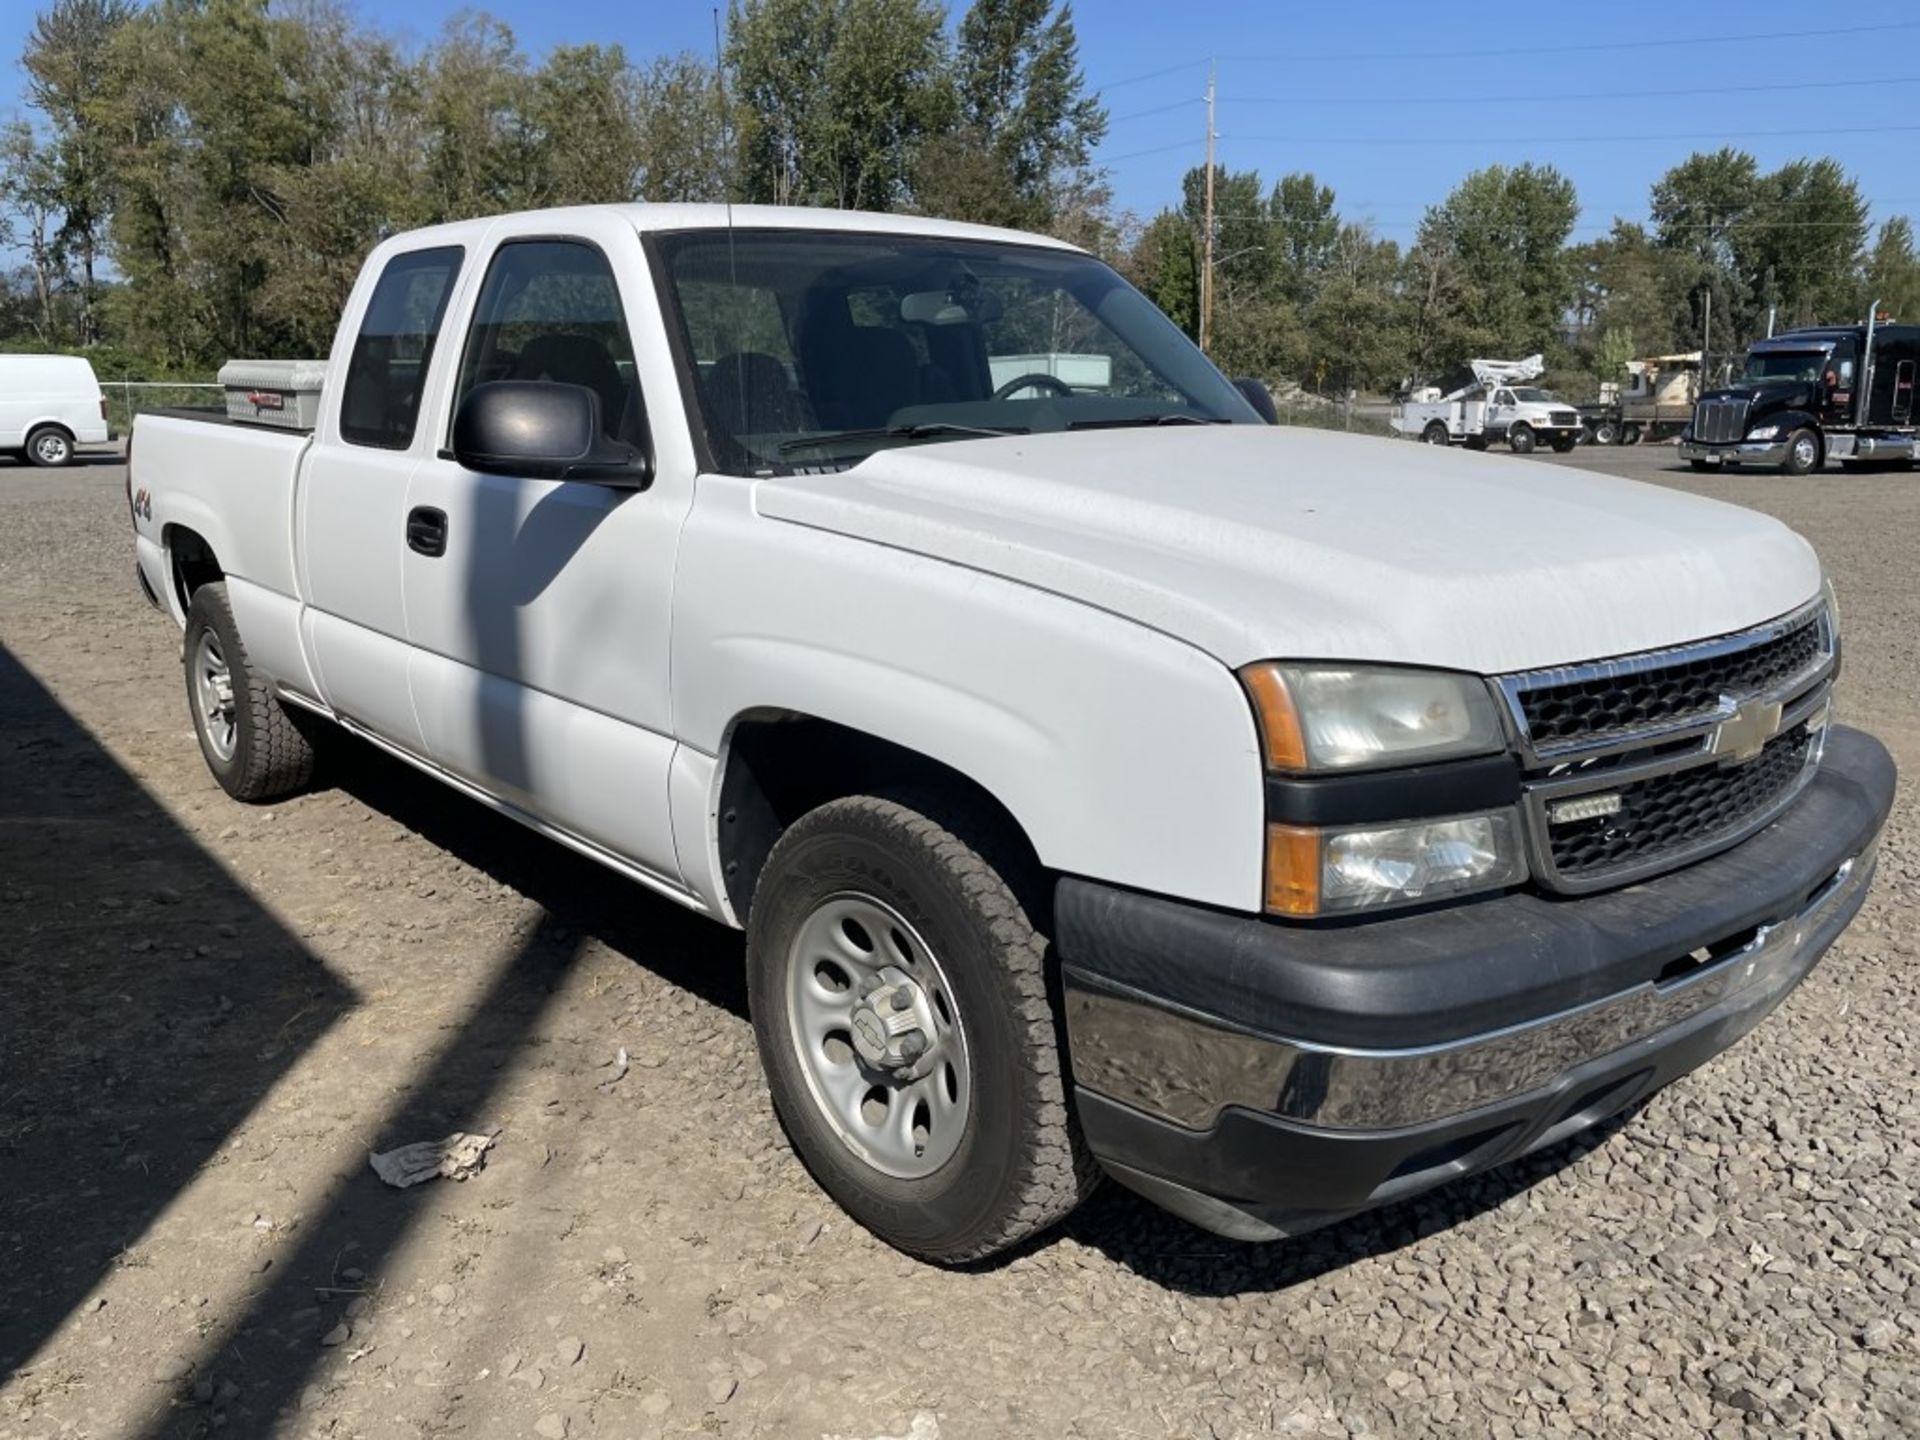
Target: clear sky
x,y
1393,102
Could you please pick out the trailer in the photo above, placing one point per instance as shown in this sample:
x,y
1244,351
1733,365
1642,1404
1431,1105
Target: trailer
x,y
1655,404
1489,403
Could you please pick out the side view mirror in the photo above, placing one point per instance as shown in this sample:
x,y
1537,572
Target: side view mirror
x,y
1259,397
543,430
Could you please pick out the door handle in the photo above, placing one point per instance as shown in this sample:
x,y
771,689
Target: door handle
x,y
427,531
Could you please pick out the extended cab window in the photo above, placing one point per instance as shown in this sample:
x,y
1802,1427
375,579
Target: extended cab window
x,y
550,310
381,400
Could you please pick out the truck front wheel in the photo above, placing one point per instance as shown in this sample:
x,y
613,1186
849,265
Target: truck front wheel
x,y
1520,439
1803,453
248,739
901,1006
1562,444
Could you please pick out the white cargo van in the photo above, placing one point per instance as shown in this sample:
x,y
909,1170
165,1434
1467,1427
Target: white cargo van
x,y
49,406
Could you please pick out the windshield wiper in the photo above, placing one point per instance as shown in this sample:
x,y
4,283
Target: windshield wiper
x,y
1176,417
924,430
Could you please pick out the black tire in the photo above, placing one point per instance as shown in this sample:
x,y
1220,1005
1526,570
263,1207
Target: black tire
x,y
1699,465
268,756
1605,432
1520,439
1803,453
1020,1163
1563,444
1476,442
1435,434
49,447
1629,434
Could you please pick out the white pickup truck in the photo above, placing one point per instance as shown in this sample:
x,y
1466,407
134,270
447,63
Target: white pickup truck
x,y
1282,822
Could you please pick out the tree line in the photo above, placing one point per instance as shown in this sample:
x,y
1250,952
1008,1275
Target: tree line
x,y
202,178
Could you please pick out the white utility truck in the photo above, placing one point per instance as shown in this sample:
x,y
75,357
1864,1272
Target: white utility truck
x,y
1491,403
1280,821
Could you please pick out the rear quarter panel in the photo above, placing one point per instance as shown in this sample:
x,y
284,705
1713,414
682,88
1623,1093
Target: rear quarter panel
x,y
233,486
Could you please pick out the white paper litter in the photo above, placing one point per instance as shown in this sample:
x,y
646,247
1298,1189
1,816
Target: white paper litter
x,y
456,1157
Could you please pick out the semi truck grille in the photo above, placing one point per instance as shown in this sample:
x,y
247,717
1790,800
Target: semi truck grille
x,y
1610,705
1720,422
1681,811
1644,762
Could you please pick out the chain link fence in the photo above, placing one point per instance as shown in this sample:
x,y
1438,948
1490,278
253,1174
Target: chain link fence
x,y
128,398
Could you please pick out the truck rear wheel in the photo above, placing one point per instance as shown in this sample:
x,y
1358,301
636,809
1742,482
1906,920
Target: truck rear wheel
x,y
1803,453
901,1006
1629,434
1436,434
247,738
1605,432
1520,439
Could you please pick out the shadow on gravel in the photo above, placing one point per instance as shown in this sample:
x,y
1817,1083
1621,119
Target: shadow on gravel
x,y
580,895
147,1003
1170,1252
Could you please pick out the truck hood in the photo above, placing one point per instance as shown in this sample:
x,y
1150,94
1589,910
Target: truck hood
x,y
1253,542
1774,395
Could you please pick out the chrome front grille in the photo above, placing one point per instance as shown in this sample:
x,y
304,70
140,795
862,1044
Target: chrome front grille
x,y
1644,762
1720,422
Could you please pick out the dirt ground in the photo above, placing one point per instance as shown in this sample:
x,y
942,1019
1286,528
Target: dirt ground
x,y
210,1013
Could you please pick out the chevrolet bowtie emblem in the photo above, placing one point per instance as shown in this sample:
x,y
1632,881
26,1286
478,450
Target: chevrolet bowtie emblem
x,y
1746,732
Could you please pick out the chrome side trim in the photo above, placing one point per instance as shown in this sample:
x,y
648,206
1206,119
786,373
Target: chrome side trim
x,y
1187,1067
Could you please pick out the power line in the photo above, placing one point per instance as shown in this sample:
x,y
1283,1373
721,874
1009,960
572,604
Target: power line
x,y
1372,102
1594,47
1611,139
1156,110
1476,52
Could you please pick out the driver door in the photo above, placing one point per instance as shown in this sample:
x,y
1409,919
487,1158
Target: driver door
x,y
540,609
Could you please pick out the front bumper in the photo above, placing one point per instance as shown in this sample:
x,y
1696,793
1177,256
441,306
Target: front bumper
x,y
1263,1079
1744,452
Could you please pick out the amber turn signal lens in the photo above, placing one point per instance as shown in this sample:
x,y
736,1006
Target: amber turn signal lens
x,y
1293,870
1280,734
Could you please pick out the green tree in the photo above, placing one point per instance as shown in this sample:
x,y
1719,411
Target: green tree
x,y
66,60
1164,265
1893,272
1025,125
1800,247
30,214
1354,342
684,147
1305,234
833,98
1505,233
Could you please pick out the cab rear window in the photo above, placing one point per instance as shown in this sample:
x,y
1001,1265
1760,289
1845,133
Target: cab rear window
x,y
388,368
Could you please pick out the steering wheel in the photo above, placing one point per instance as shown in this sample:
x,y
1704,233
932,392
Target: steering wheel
x,y
1021,382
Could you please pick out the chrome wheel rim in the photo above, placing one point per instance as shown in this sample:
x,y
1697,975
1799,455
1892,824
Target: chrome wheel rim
x,y
213,695
879,1036
1803,452
52,449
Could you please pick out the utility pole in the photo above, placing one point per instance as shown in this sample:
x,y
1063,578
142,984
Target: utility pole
x,y
1206,264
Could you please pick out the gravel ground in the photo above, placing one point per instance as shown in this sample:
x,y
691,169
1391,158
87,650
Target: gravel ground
x,y
213,1012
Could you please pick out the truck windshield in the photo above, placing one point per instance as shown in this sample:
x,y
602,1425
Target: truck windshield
x,y
1532,395
1786,365
812,349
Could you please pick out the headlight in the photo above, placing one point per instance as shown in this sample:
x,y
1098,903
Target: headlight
x,y
1312,871
1763,432
1358,717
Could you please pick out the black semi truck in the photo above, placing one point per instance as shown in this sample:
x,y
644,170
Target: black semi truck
x,y
1842,393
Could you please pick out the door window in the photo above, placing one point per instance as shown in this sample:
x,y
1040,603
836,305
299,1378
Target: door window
x,y
381,398
1903,392
550,310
